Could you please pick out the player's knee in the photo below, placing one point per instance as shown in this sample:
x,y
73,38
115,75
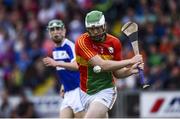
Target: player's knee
x,y
66,113
94,112
79,114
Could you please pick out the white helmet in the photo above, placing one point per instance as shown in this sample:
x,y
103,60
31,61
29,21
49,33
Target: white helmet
x,y
96,19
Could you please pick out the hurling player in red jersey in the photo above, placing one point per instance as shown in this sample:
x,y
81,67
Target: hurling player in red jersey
x,y
98,48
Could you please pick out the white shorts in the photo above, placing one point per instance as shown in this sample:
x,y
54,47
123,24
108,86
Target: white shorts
x,y
107,97
72,100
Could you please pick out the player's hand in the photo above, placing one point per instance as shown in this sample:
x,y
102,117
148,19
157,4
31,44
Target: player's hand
x,y
62,91
136,59
49,62
134,68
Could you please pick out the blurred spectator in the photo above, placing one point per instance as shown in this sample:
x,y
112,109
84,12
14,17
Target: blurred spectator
x,y
59,6
6,107
75,27
166,45
25,109
46,12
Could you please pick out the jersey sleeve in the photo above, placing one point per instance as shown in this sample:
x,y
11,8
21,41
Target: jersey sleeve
x,y
118,49
83,48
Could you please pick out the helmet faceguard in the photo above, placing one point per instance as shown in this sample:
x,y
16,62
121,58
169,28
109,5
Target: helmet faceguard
x,y
56,30
95,25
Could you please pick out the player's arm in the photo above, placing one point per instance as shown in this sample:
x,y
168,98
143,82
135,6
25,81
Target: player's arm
x,y
109,65
68,65
127,71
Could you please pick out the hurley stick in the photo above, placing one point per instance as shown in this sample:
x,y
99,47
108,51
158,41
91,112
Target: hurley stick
x,y
130,29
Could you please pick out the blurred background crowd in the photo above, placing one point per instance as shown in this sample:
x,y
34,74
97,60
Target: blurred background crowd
x,y
24,41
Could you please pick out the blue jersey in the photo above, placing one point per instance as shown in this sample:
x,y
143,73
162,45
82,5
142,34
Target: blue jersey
x,y
66,52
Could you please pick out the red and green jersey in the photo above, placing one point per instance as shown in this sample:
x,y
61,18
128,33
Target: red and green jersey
x,y
85,48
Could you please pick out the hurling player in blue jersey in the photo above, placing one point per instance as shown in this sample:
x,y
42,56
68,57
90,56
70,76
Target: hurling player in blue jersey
x,y
64,61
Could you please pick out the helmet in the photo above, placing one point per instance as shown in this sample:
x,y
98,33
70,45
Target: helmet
x,y
55,23
96,19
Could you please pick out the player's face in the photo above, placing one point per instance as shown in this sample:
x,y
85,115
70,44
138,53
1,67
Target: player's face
x,y
97,33
57,34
